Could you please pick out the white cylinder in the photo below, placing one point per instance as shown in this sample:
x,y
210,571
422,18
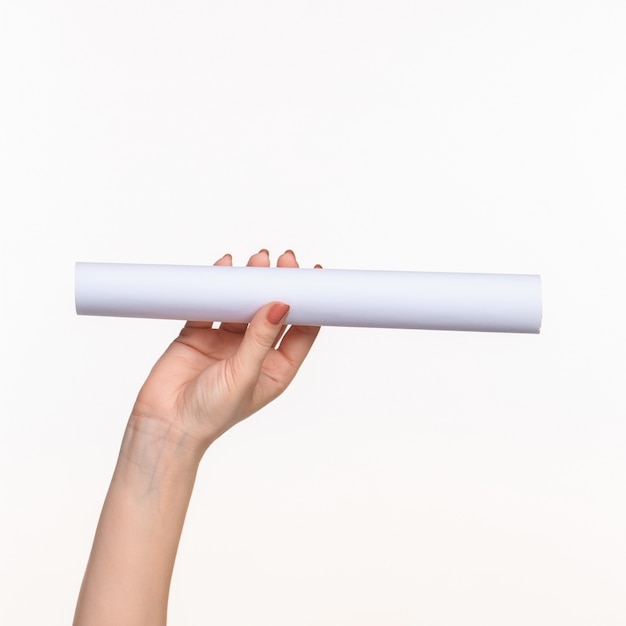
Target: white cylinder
x,y
320,297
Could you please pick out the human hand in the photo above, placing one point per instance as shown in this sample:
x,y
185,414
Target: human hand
x,y
209,378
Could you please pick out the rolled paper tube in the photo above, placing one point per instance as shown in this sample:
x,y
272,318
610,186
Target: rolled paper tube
x,y
320,297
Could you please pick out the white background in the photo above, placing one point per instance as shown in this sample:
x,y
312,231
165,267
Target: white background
x,y
407,477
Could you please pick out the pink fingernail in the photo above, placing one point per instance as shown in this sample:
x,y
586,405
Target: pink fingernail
x,y
277,313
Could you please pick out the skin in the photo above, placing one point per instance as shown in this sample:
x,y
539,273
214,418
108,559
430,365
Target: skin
x,y
208,380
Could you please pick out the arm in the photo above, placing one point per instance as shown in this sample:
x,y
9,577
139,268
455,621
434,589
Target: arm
x,y
208,380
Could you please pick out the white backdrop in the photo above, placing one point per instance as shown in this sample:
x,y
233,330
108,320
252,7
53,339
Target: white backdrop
x,y
407,477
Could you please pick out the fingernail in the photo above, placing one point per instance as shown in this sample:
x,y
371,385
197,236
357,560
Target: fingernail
x,y
264,251
318,266
277,313
291,252
228,255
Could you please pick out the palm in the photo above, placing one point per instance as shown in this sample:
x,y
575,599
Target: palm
x,y
200,382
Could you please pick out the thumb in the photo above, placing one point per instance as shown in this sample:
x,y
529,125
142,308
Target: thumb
x,y
260,337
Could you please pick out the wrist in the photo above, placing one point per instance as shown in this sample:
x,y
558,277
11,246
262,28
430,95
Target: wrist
x,y
158,449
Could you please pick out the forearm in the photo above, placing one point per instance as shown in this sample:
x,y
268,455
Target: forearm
x,y
129,571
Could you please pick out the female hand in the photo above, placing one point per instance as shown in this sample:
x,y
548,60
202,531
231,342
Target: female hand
x,y
211,378
208,380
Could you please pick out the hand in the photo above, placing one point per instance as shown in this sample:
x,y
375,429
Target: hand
x,y
209,378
